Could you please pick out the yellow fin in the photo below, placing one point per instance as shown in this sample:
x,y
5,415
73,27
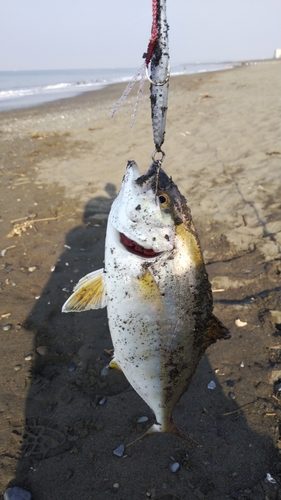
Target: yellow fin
x,y
89,293
113,364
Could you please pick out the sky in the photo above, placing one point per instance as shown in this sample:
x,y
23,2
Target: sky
x,y
81,34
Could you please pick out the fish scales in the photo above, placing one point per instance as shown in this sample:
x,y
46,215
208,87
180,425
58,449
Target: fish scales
x,y
157,292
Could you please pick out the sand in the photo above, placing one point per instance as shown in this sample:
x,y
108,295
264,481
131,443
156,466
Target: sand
x,y
64,162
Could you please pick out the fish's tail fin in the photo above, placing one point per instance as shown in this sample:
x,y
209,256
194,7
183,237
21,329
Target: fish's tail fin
x,y
169,427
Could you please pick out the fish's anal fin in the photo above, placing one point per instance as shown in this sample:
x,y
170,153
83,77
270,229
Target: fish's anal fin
x,y
89,293
113,364
170,428
215,331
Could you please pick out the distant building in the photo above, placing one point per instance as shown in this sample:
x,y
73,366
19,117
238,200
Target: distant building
x,y
277,54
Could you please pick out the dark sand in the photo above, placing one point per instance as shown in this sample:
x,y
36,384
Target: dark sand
x,y
65,160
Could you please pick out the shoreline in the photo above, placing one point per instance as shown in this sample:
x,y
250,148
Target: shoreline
x,y
110,91
114,91
232,65
106,77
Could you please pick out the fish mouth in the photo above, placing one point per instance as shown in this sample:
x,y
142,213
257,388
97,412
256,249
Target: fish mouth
x,y
137,249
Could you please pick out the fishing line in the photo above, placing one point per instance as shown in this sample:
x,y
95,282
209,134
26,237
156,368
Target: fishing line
x,y
157,63
154,33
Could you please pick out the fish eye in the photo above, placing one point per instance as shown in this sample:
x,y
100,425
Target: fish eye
x,y
164,200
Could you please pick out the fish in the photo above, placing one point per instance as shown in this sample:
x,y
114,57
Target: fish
x,y
156,289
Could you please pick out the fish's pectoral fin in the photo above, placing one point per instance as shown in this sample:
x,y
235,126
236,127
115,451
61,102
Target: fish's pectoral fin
x,y
215,331
113,364
89,293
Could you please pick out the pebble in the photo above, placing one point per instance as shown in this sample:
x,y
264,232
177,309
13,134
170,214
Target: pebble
x,y
102,401
242,364
211,385
104,371
141,420
116,486
18,326
230,383
71,367
53,268
17,493
277,387
93,404
41,350
174,467
119,451
221,371
270,479
29,357
17,368
68,474
32,269
7,327
231,395
240,323
99,425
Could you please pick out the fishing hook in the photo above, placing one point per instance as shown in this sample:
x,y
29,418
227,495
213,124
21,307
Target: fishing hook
x,y
160,84
158,163
158,167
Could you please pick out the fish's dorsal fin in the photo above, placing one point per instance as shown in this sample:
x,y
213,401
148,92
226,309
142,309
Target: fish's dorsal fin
x,y
89,293
216,331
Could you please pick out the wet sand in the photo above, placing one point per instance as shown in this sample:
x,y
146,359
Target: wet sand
x,y
64,162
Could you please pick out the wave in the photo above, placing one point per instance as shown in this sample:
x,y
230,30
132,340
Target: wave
x,y
21,92
28,88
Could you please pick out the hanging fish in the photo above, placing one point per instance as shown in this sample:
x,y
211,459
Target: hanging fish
x,y
156,289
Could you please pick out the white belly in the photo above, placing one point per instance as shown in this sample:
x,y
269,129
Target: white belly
x,y
147,329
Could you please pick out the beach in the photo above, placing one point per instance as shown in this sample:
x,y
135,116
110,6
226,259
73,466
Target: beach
x,y
62,165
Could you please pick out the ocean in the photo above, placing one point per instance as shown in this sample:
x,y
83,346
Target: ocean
x,y
21,89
